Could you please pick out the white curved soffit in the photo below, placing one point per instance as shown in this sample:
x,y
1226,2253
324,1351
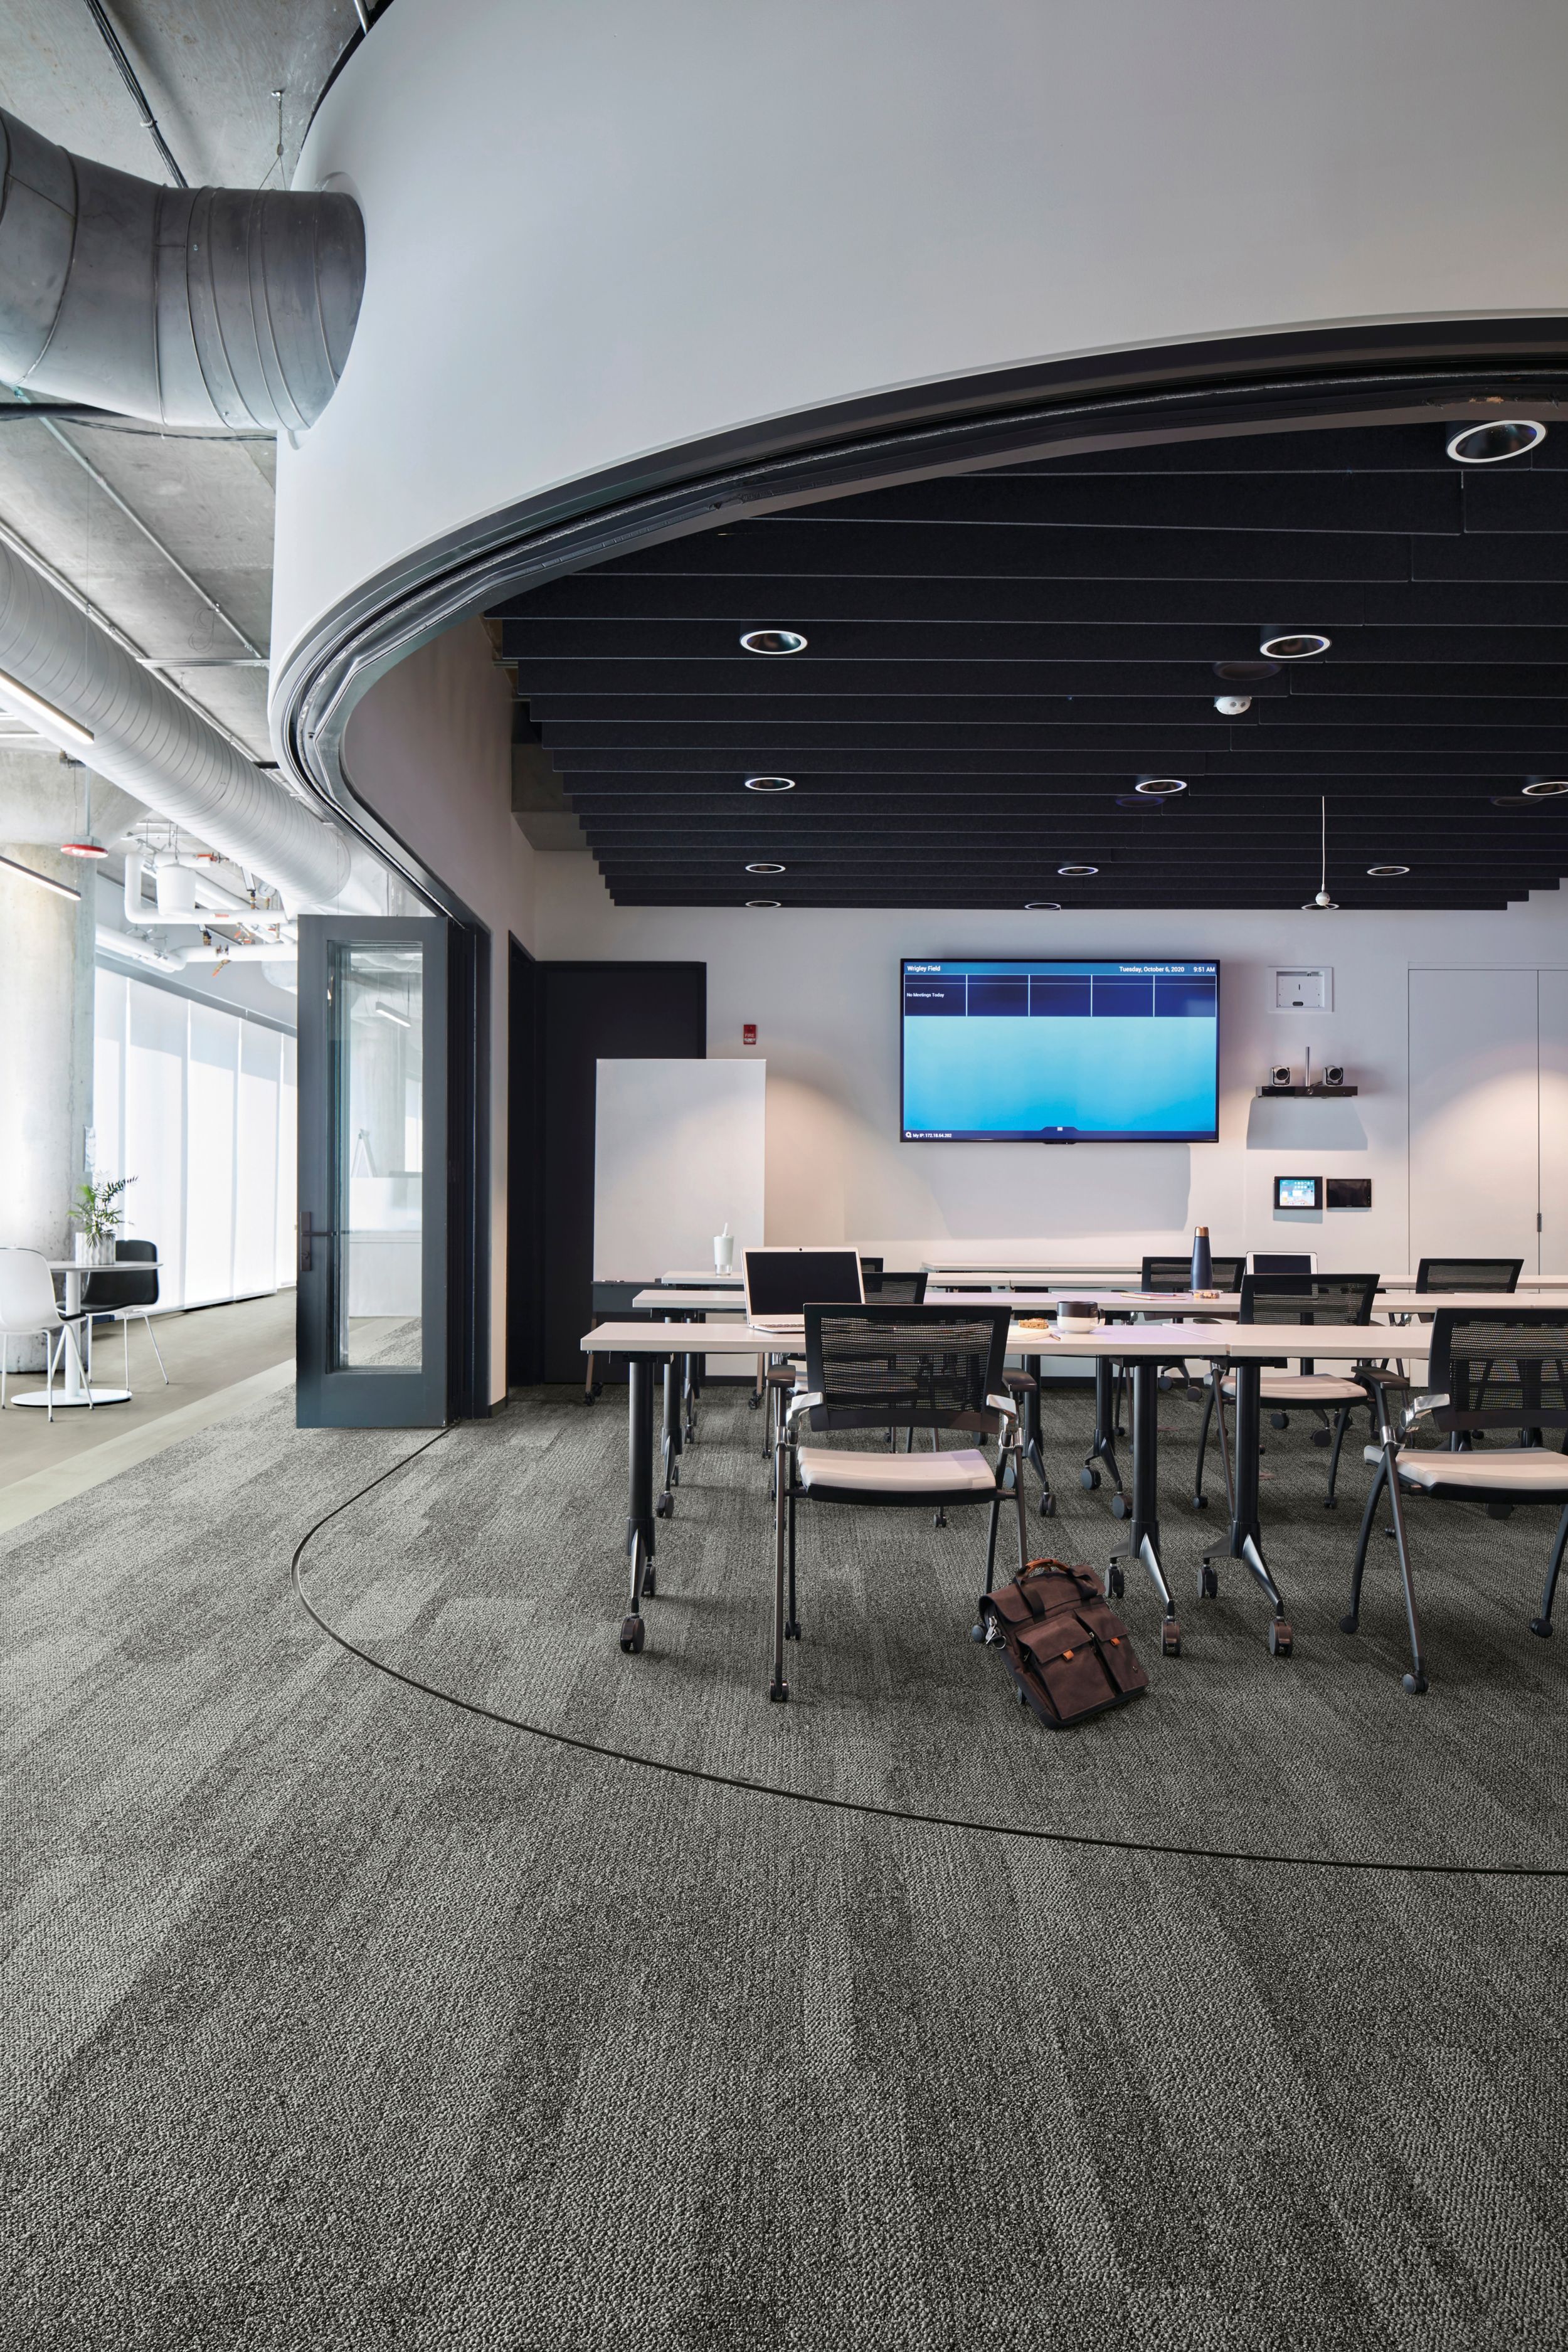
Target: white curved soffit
x,y
595,234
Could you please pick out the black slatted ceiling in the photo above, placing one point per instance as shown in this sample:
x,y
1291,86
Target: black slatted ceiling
x,y
995,658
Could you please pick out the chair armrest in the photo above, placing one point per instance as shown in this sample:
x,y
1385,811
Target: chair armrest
x,y
1003,1404
802,1402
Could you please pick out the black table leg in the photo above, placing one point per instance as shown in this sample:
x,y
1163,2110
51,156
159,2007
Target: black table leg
x,y
1246,1528
670,1444
1029,1427
639,1496
1143,1536
1104,1446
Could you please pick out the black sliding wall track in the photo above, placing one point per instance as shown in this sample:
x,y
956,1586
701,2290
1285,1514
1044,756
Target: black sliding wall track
x,y
1021,597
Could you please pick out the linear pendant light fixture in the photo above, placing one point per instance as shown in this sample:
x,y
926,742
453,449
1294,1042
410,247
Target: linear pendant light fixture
x,y
35,707
44,881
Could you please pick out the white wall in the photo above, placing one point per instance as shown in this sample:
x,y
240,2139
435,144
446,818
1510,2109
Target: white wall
x,y
823,988
429,750
598,231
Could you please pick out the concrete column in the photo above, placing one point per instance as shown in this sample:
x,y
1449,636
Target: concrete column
x,y
47,946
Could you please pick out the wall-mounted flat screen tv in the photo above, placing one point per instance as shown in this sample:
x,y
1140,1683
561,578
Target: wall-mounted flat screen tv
x,y
1061,1052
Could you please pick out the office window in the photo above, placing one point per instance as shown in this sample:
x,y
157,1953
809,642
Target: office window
x,y
198,1105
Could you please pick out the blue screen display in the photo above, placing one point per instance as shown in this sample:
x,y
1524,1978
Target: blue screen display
x,y
1059,1053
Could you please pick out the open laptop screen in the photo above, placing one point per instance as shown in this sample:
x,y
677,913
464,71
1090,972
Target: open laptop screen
x,y
784,1281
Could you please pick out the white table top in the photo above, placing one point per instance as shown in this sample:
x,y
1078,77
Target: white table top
x,y
1223,1306
1332,1342
697,1278
119,1266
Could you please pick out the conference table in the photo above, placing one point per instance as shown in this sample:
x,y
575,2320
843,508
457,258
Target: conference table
x,y
1143,1347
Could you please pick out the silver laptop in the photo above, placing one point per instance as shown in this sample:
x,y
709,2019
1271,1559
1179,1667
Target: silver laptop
x,y
782,1283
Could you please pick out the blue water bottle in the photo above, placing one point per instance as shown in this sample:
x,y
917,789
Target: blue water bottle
x,y
1203,1264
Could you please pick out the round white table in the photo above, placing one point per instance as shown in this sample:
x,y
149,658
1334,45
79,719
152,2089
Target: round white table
x,y
74,1390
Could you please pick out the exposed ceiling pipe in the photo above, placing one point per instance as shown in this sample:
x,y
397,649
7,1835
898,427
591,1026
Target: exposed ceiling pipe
x,y
210,306
154,746
121,944
218,953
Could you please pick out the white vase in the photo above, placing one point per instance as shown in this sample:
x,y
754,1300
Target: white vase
x,y
80,1249
102,1252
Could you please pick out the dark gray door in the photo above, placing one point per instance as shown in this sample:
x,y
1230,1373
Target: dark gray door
x,y
373,1315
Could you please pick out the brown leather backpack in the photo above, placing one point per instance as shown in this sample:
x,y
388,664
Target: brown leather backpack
x,y
1068,1653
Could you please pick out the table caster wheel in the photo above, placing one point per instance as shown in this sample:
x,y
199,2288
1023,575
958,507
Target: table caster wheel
x,y
1115,1583
778,1689
753,1401
1278,1421
665,1507
1120,1506
1321,1437
1170,1639
792,1630
1089,1480
631,1635
1200,1502
1047,1507
1279,1639
1541,1625
1331,1502
1350,1622
1208,1582
977,1631
1415,1685
938,1518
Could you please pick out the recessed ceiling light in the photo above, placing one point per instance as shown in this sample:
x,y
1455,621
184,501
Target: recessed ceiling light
x,y
1546,788
1231,706
774,641
1488,445
764,865
764,902
1386,872
1160,788
1294,644
769,783
83,849
1042,905
1074,870
1246,673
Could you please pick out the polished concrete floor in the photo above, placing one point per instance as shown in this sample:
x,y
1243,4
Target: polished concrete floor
x,y
206,1350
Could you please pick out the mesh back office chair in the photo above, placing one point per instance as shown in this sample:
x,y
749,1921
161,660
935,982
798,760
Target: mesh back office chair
x,y
1176,1273
1468,1272
887,1368
124,1294
1515,1355
1303,1299
28,1310
908,1288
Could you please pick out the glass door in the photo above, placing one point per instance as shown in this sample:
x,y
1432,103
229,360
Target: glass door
x,y
372,1319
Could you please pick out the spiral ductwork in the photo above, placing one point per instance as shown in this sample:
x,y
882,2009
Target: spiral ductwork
x,y
160,750
186,306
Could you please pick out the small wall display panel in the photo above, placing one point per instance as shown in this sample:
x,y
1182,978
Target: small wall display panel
x,y
1298,1191
1059,1052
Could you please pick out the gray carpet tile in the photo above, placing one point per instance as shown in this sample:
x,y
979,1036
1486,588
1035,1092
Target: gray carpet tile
x,y
337,2017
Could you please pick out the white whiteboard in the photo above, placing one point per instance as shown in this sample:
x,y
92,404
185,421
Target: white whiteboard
x,y
677,1151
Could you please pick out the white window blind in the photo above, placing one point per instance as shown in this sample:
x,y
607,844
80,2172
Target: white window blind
x,y
199,1107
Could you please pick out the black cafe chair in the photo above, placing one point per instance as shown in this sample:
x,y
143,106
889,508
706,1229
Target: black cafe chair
x,y
125,1291
1303,1299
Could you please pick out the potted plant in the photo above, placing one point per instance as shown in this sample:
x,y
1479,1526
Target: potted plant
x,y
99,1211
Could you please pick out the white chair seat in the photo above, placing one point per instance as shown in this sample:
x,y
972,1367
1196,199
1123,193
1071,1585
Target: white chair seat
x,y
1304,1388
1513,1469
963,1470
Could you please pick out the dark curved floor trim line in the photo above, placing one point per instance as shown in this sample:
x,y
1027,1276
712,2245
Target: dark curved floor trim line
x,y
1037,1836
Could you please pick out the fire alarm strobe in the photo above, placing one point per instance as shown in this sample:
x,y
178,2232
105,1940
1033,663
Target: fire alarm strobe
x,y
749,1033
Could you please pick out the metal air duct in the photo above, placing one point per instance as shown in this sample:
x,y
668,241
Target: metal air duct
x,y
186,306
144,739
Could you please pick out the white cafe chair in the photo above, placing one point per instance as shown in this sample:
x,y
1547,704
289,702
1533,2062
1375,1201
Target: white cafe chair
x,y
28,1310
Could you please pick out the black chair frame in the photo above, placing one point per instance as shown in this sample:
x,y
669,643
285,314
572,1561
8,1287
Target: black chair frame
x,y
1292,1298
